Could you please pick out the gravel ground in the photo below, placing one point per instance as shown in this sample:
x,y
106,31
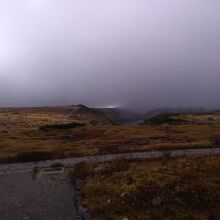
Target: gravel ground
x,y
49,197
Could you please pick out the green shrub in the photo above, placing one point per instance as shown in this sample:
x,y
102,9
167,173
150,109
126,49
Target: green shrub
x,y
80,171
112,167
61,126
164,118
56,164
32,156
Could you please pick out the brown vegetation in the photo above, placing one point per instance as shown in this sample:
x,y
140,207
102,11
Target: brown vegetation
x,y
20,136
181,188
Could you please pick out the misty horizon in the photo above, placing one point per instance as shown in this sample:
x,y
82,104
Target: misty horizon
x,y
139,55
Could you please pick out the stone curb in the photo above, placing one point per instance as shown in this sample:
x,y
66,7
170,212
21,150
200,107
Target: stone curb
x,y
83,212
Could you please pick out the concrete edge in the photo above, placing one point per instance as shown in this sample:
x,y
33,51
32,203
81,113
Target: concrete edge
x,y
83,211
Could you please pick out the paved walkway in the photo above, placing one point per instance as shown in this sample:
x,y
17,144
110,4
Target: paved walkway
x,y
68,162
49,197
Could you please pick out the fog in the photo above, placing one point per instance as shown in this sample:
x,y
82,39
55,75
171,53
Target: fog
x,y
140,54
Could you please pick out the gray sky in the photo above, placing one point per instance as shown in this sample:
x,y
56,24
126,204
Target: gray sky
x,y
136,53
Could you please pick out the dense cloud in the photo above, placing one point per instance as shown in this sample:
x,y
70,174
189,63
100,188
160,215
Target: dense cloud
x,y
135,53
